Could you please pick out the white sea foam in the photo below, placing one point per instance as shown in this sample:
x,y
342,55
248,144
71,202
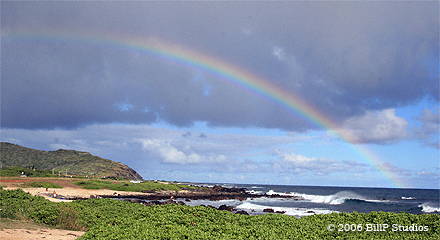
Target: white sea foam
x,y
334,199
272,192
268,199
429,208
407,198
254,192
288,210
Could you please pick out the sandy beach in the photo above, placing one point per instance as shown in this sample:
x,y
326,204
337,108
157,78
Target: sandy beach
x,y
23,230
73,193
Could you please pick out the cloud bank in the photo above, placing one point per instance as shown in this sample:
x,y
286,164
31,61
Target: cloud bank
x,y
346,59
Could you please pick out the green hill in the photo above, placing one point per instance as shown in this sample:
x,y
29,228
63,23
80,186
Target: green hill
x,y
70,161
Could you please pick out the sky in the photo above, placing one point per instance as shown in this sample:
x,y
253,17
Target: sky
x,y
181,90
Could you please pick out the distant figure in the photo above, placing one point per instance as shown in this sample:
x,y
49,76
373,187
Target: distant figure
x,y
47,189
54,194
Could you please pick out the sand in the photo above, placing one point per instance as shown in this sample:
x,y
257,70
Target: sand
x,y
37,234
69,192
25,230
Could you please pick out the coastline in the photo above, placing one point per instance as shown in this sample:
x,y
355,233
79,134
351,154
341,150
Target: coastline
x,y
114,219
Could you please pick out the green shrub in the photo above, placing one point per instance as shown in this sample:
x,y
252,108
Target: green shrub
x,y
18,204
68,218
112,219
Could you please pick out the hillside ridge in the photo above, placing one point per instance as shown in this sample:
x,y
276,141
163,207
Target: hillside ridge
x,y
63,160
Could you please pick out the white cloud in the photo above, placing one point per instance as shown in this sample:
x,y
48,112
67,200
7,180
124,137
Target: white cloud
x,y
301,164
171,154
279,53
375,127
297,159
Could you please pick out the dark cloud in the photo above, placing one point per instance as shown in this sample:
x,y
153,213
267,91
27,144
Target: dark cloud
x,y
344,58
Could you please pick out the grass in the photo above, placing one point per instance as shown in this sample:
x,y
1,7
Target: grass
x,y
132,187
41,185
107,219
16,172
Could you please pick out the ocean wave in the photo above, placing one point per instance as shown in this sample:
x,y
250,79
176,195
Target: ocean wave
x,y
429,208
254,192
408,198
300,212
334,199
272,192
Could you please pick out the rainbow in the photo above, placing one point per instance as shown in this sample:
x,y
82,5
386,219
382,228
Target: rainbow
x,y
229,72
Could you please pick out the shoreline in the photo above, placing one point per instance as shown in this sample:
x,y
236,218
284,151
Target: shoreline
x,y
70,194
107,218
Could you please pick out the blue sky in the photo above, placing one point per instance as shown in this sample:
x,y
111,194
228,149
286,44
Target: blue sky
x,y
371,67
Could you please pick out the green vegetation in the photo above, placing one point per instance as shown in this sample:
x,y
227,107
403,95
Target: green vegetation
x,y
16,171
112,219
41,185
132,187
67,162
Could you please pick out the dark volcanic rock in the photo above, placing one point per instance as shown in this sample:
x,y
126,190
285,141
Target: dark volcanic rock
x,y
269,210
281,212
218,188
242,212
226,207
169,201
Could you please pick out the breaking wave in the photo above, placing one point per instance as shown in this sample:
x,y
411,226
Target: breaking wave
x,y
300,212
429,208
408,198
334,199
254,192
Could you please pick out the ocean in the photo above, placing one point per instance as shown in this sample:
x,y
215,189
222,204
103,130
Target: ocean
x,y
322,200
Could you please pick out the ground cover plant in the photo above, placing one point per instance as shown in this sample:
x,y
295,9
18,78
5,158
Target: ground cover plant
x,y
112,219
132,187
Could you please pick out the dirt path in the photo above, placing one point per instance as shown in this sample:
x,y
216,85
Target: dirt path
x,y
17,181
21,230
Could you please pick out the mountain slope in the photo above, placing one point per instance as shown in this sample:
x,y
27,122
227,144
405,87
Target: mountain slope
x,y
74,162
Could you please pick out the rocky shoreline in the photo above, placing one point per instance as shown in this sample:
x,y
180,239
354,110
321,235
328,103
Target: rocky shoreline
x,y
215,193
